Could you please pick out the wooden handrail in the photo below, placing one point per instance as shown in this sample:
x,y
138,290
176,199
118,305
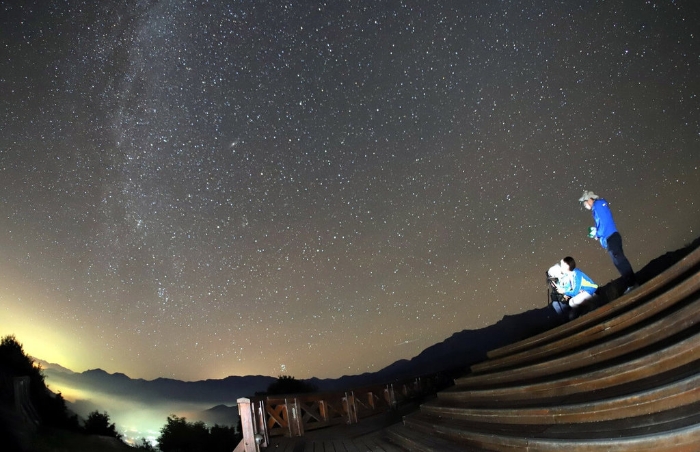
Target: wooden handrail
x,y
293,414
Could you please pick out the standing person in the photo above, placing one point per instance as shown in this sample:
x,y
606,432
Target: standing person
x,y
606,233
574,283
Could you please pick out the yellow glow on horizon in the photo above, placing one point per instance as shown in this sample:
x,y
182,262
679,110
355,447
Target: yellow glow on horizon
x,y
69,393
39,342
41,335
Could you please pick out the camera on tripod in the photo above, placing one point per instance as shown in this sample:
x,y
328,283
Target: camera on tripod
x,y
554,298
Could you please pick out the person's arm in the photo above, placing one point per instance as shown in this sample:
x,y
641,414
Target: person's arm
x,y
596,219
576,282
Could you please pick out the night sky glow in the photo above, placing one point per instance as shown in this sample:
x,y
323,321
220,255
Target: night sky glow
x,y
197,189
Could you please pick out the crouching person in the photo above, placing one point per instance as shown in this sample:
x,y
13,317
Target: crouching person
x,y
575,284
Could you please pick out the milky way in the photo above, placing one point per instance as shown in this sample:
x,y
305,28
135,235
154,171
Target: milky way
x,y
206,188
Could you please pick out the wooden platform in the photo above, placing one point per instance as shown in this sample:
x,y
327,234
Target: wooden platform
x,y
366,436
373,442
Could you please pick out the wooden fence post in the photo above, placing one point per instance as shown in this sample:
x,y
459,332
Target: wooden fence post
x,y
295,416
350,407
250,442
370,400
323,410
260,421
389,396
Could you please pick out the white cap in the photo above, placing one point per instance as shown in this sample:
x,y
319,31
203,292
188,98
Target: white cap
x,y
587,194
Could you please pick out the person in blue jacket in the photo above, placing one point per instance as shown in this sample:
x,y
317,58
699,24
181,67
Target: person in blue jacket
x,y
607,234
574,283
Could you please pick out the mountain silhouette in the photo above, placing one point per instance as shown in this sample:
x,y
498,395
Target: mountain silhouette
x,y
222,391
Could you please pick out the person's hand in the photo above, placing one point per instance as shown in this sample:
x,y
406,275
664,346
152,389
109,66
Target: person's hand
x,y
560,289
592,231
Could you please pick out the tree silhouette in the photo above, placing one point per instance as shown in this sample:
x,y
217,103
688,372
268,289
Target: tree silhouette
x,y
223,438
287,384
145,446
178,435
98,424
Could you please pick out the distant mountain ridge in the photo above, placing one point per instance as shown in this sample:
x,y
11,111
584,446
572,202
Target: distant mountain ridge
x,y
222,391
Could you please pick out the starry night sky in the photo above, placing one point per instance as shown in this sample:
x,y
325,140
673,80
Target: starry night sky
x,y
197,189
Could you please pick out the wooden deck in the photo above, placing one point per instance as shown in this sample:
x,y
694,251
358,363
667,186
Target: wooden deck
x,y
366,436
373,442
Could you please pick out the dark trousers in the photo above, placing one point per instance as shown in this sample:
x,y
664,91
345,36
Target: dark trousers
x,y
619,259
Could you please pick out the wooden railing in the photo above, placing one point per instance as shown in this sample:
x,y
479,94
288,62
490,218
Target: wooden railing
x,y
294,414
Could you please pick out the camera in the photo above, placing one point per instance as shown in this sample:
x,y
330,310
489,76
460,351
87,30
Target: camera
x,y
554,298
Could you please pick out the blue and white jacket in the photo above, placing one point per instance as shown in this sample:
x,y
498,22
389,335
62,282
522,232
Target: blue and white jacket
x,y
577,281
604,223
